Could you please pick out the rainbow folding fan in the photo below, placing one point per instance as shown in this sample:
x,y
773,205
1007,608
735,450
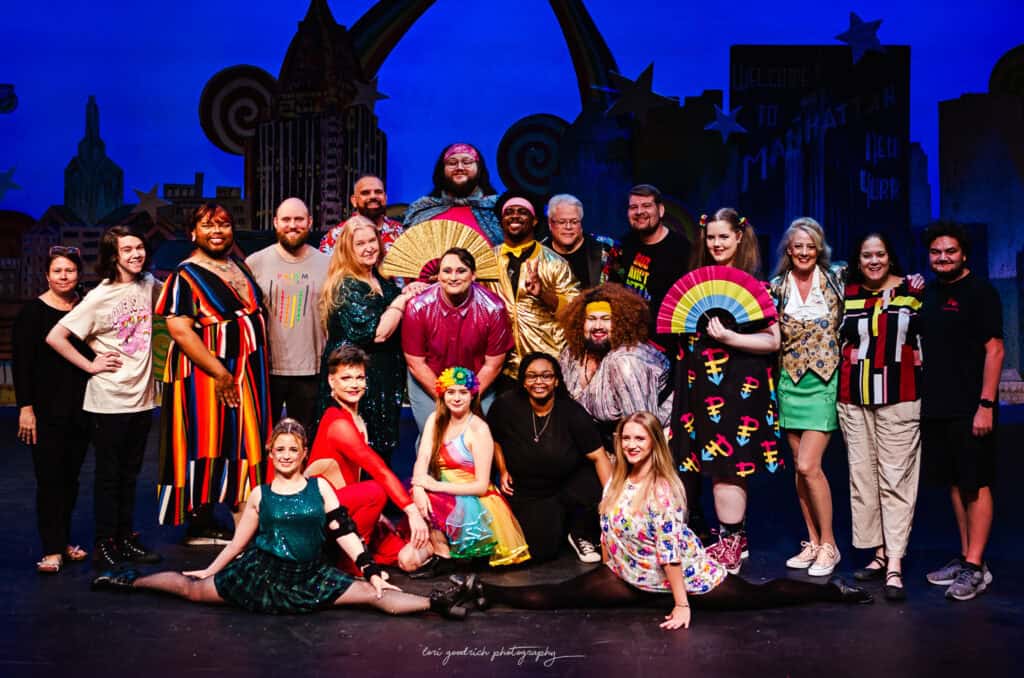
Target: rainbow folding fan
x,y
713,290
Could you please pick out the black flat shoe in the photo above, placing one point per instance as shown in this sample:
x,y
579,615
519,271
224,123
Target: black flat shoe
x,y
894,594
849,594
115,581
871,573
434,568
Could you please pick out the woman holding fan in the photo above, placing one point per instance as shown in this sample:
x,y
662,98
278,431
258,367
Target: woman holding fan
x,y
725,400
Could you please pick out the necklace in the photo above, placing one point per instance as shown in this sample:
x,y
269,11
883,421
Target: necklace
x,y
537,434
223,267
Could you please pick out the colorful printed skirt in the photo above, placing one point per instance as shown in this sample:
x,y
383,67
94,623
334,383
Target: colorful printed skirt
x,y
478,527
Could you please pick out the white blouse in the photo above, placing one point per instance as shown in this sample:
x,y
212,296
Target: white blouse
x,y
814,307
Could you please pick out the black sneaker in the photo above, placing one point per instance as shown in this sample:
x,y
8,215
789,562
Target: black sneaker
x,y
207,535
135,552
115,581
107,554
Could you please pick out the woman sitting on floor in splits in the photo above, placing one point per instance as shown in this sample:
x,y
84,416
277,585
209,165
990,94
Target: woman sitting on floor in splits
x,y
651,556
452,481
283,572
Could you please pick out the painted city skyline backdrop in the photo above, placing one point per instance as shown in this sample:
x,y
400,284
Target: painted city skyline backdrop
x,y
464,71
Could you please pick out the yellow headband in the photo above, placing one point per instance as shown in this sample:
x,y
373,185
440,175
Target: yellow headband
x,y
598,307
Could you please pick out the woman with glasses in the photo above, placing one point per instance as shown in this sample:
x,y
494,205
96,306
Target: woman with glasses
x,y
551,461
451,482
49,391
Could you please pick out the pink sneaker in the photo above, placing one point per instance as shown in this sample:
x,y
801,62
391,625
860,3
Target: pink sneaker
x,y
727,552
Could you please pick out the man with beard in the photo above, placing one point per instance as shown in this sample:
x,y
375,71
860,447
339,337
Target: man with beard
x,y
591,257
462,192
962,348
653,257
368,200
454,322
608,367
534,283
290,274
216,410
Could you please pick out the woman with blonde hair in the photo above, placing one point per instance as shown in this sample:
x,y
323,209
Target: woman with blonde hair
x,y
362,308
651,556
808,290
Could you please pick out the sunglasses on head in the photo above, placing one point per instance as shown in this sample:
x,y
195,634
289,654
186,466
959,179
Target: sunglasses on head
x,y
60,250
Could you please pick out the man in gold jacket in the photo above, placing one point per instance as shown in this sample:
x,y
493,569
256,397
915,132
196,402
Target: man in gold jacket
x,y
534,282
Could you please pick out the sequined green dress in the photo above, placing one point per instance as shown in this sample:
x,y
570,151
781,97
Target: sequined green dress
x,y
354,321
283,572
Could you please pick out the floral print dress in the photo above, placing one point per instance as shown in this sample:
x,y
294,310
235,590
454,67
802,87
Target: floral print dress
x,y
639,545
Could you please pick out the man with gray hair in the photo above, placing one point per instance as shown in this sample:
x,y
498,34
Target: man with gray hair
x,y
591,257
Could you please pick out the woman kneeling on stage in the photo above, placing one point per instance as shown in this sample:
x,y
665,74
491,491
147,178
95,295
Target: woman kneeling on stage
x,y
652,559
283,571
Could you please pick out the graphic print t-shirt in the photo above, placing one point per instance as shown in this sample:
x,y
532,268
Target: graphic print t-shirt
x,y
118,317
290,293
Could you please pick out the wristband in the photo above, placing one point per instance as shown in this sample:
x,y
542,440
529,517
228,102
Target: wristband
x,y
686,606
986,403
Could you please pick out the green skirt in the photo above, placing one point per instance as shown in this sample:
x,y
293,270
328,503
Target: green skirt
x,y
260,582
809,405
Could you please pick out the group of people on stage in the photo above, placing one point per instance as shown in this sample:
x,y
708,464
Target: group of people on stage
x,y
542,401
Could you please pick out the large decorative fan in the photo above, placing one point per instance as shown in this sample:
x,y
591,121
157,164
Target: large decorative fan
x,y
427,241
714,291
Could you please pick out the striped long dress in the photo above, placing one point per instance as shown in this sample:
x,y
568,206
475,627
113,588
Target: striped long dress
x,y
209,452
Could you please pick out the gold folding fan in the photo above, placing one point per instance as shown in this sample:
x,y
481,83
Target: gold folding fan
x,y
427,241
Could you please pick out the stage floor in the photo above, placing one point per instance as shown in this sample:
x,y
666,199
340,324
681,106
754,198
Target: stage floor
x,y
54,625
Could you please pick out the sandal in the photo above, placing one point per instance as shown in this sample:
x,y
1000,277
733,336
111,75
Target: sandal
x,y
870,573
49,566
75,553
894,594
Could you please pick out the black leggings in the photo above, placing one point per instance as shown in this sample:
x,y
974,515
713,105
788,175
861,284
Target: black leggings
x,y
602,588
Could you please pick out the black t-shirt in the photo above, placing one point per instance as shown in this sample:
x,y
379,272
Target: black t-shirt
x,y
957,320
578,263
540,469
651,270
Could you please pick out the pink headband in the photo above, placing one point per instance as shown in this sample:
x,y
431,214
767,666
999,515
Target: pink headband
x,y
522,202
461,148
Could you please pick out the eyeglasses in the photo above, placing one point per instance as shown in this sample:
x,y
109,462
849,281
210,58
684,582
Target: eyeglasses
x,y
566,222
456,162
541,376
60,250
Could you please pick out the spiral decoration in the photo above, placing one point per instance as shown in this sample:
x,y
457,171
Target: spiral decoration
x,y
528,153
232,104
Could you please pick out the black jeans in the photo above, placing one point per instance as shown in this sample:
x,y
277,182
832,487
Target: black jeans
x,y
299,393
57,456
120,441
573,509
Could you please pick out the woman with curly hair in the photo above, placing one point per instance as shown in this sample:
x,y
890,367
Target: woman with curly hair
x,y
451,481
551,461
609,368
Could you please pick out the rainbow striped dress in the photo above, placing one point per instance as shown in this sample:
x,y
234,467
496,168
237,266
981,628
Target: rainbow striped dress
x,y
210,452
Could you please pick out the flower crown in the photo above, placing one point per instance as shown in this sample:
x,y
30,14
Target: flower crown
x,y
457,376
705,219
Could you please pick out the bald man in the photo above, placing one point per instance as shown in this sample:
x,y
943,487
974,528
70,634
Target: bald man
x,y
290,272
370,200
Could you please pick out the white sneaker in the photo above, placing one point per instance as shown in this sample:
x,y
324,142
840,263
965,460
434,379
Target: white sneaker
x,y
585,550
805,558
825,562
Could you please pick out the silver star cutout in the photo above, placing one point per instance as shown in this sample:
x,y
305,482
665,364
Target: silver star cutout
x,y
367,94
725,123
149,202
7,182
860,36
635,96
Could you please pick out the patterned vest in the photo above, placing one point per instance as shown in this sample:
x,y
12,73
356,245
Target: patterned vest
x,y
811,345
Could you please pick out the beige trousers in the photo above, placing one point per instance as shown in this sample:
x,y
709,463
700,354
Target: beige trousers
x,y
884,444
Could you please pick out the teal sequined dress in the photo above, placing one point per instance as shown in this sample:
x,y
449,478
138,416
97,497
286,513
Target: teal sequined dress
x,y
354,321
283,572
